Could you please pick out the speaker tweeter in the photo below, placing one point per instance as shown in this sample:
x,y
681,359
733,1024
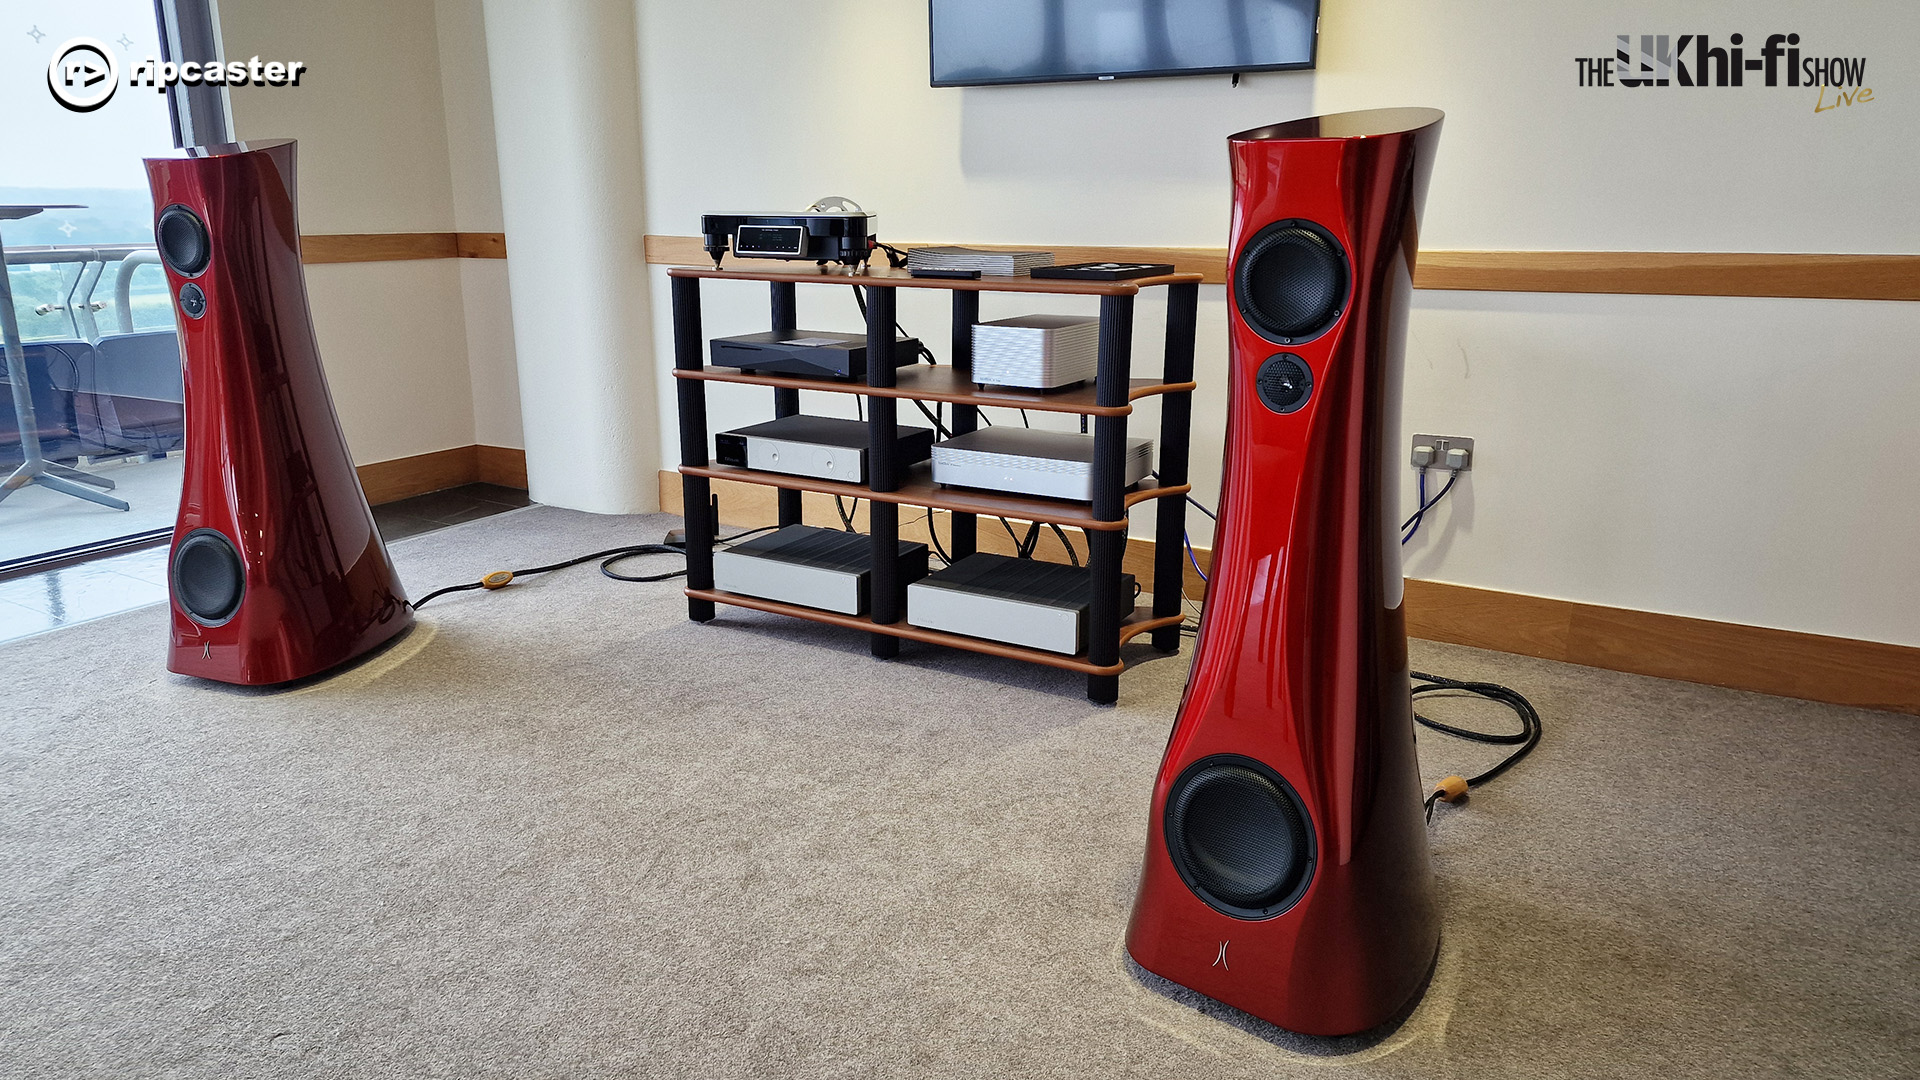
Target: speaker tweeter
x,y
1284,383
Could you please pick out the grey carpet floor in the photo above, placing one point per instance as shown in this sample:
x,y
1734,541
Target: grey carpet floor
x,y
560,831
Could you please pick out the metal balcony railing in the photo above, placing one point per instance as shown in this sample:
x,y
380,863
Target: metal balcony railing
x,y
78,304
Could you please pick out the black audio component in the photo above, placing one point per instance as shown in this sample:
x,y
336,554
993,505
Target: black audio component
x,y
816,353
815,236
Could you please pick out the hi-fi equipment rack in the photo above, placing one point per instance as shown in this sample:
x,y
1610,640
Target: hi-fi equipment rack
x,y
891,484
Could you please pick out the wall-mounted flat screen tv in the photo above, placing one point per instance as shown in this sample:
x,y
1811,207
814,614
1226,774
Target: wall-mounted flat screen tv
x,y
983,42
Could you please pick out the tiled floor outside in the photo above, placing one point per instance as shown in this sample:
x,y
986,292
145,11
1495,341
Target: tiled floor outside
x,y
92,590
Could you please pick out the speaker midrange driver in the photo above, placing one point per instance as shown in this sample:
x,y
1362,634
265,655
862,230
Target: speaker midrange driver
x,y
1291,281
182,239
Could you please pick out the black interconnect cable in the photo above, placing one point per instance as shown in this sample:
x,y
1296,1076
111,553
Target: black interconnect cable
x,y
1011,535
933,534
1197,504
500,579
988,420
1073,556
1032,540
933,418
846,518
1453,788
860,298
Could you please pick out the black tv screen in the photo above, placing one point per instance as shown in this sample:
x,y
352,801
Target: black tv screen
x,y
982,42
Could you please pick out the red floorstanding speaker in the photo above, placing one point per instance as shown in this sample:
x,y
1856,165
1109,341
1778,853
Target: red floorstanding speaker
x,y
277,570
1287,872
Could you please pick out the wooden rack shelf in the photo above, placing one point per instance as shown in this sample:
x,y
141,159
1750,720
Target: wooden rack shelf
x,y
945,384
920,490
1136,623
808,274
891,483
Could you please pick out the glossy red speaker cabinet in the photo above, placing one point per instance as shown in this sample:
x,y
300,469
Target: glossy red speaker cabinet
x,y
277,571
1287,871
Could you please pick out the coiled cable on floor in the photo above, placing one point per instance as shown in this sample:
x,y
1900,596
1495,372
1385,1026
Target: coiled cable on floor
x,y
1455,788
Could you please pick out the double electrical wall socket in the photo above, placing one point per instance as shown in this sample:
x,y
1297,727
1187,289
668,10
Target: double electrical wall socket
x,y
1431,451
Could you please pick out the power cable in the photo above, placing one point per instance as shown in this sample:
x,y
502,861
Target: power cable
x,y
500,579
1455,788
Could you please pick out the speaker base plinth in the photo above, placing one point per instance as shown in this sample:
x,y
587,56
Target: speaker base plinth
x,y
230,664
1275,1030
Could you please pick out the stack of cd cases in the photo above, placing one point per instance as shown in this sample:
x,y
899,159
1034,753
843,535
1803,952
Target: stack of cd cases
x,y
997,263
1038,352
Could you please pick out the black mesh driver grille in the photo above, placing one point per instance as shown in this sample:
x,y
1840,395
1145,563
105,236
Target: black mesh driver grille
x,y
1239,836
1290,282
207,577
182,240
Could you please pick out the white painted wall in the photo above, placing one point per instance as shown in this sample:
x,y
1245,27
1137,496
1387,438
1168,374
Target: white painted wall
x,y
473,158
391,140
1733,459
367,112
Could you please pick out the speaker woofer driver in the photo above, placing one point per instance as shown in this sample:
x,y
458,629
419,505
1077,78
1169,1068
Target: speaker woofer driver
x,y
182,239
1239,836
1291,281
208,578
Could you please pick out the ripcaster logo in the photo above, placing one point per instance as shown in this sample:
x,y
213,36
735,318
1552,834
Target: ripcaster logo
x,y
1693,60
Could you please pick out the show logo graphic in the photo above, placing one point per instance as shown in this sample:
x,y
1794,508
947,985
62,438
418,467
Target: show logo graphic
x,y
1654,60
84,74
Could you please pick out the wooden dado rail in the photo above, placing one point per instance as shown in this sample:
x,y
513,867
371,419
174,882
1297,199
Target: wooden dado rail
x,y
1655,273
1659,273
400,247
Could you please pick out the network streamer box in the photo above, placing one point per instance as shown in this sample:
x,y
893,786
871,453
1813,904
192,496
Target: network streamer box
x,y
810,566
824,354
1038,352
